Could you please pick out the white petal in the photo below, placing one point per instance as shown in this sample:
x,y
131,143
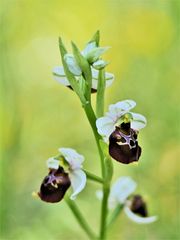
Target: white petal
x,y
78,182
94,83
105,126
120,108
88,48
121,190
53,163
59,76
72,64
138,219
62,80
109,81
72,157
59,71
94,73
109,78
138,122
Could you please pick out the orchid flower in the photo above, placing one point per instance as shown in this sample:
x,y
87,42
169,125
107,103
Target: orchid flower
x,y
133,205
64,171
60,76
120,127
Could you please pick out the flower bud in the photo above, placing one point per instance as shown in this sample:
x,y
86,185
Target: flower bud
x,y
100,64
95,53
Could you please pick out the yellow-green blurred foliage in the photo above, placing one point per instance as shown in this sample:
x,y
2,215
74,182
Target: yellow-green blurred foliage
x,y
38,115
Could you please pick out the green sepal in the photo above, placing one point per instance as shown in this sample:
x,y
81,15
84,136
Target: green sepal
x,y
93,43
69,75
96,38
82,85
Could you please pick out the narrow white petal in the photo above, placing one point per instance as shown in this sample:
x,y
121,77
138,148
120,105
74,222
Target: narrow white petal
x,y
109,76
121,190
78,182
53,163
59,71
109,82
95,83
94,73
138,122
72,157
120,108
138,219
105,126
60,76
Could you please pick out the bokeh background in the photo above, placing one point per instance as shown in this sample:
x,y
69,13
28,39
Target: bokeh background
x,y
38,115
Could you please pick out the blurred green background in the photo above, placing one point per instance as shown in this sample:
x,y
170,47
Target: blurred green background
x,y
38,115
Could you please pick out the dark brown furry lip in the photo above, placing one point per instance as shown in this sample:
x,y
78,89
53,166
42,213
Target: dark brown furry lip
x,y
54,185
123,144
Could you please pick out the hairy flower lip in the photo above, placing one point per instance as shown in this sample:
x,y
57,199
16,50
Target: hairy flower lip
x,y
54,186
139,206
136,210
123,145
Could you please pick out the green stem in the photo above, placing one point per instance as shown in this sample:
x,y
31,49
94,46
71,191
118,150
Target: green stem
x,y
104,212
114,214
92,120
80,218
93,177
100,94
